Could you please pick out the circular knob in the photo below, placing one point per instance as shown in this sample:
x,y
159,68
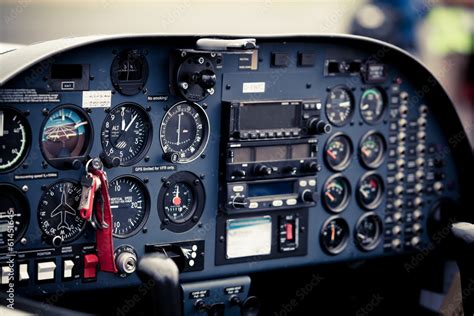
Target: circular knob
x,y
126,262
172,157
240,202
308,196
415,241
396,243
397,216
416,228
207,79
311,166
110,162
76,164
399,190
317,126
263,170
57,241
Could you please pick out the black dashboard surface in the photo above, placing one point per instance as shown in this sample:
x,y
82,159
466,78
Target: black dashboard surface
x,y
293,151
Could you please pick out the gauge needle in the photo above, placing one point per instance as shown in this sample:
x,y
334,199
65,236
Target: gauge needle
x,y
179,128
364,193
131,122
329,195
114,206
1,123
333,232
330,153
365,152
122,114
345,104
364,106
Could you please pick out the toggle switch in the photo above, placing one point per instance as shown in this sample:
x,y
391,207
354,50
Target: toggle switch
x,y
68,265
23,272
90,266
46,270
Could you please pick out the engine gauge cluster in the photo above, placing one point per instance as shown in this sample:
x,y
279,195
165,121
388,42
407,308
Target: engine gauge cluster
x,y
338,152
370,190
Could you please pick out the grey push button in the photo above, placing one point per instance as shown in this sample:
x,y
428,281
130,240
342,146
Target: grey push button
x,y
46,270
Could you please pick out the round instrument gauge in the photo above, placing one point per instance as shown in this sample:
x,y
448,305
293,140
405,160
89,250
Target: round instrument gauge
x,y
338,152
372,150
126,134
58,214
372,105
14,214
334,235
370,190
15,138
368,231
129,71
181,201
130,204
66,136
339,106
336,193
184,132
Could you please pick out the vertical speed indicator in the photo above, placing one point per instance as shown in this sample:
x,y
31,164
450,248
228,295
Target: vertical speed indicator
x,y
184,132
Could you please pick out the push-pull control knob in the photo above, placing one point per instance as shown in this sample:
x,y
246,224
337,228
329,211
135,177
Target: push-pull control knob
x,y
309,196
126,262
240,202
317,126
262,170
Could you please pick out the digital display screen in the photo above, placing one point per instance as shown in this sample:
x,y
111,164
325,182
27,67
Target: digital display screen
x,y
248,237
267,116
66,71
300,151
271,153
263,189
243,154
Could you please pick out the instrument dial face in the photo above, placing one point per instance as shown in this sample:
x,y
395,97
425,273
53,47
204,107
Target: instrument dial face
x,y
130,204
368,231
184,131
336,193
339,106
334,235
179,202
372,105
15,139
58,214
66,134
14,215
338,152
126,133
129,72
372,150
370,191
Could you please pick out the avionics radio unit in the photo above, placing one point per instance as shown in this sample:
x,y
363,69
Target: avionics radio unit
x,y
268,160
266,120
270,195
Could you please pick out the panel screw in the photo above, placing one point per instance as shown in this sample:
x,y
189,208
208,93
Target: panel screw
x,y
25,188
146,180
45,111
227,86
44,164
147,158
145,230
23,241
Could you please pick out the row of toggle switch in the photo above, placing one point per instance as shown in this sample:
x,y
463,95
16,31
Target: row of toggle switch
x,y
46,270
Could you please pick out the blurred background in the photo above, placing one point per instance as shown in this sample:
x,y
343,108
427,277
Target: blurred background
x,y
440,33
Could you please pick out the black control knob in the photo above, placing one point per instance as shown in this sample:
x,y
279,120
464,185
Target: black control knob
x,y
207,79
240,202
239,173
110,162
309,196
311,166
291,170
172,157
76,164
262,170
318,126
